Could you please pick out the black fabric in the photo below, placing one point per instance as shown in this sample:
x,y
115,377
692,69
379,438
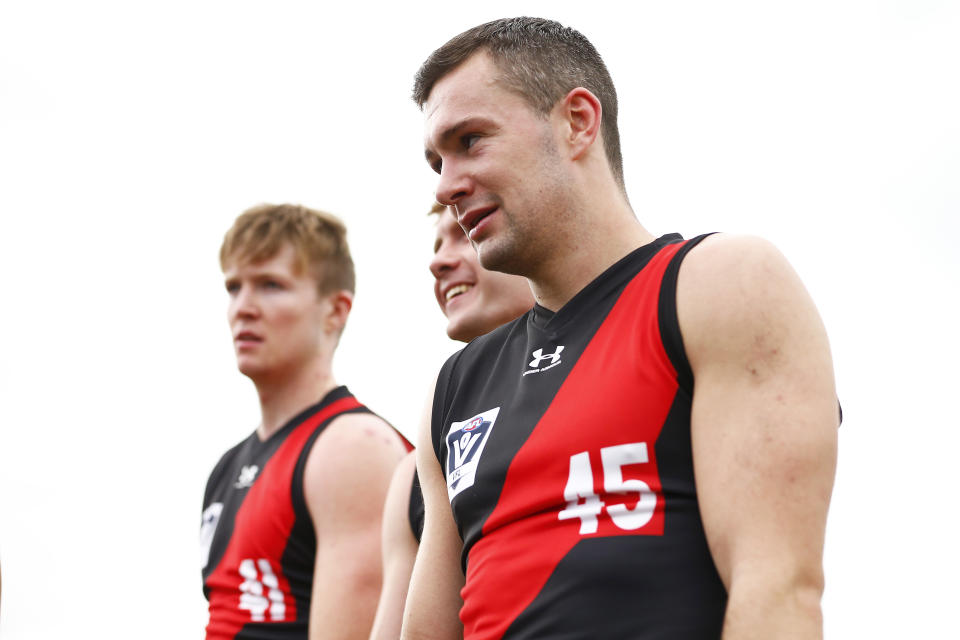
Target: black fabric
x,y
415,510
507,349
512,391
669,326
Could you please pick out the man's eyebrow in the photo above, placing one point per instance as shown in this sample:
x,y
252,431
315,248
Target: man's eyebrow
x,y
453,131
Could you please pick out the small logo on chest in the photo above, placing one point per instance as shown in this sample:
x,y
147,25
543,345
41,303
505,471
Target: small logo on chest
x,y
247,475
553,359
465,443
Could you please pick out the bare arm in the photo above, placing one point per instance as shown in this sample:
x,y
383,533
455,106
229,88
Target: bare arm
x,y
764,431
399,550
345,483
433,603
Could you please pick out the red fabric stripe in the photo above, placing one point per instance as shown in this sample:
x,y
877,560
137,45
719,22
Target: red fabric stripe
x,y
261,530
619,391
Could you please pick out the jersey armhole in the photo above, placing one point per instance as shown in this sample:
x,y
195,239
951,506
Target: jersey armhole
x,y
437,414
415,508
297,495
670,334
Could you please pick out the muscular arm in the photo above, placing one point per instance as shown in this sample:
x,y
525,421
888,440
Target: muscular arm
x,y
433,603
764,431
345,483
399,550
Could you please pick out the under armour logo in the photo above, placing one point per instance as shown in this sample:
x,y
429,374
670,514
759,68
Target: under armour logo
x,y
247,475
538,357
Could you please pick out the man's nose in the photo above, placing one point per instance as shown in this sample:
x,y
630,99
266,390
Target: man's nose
x,y
455,183
244,304
445,259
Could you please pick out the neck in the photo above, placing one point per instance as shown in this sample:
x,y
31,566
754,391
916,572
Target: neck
x,y
282,399
597,237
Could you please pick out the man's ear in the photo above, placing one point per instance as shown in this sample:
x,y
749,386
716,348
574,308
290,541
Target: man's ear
x,y
582,113
340,302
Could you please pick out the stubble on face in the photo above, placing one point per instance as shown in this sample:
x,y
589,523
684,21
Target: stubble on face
x,y
531,219
512,163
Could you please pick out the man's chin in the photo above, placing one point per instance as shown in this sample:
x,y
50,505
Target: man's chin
x,y
497,257
467,328
459,330
252,370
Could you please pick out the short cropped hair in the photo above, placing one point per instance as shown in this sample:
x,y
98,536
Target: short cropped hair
x,y
540,60
319,241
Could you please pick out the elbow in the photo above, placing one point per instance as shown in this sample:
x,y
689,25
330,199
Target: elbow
x,y
801,584
781,602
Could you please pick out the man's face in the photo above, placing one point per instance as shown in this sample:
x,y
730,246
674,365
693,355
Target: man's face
x,y
276,316
474,300
498,165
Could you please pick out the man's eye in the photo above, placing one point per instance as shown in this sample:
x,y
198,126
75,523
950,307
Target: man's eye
x,y
468,140
271,284
233,287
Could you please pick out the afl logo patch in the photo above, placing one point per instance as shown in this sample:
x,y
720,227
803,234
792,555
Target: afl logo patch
x,y
465,442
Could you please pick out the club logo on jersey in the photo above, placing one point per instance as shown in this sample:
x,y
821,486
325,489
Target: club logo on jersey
x,y
465,442
539,356
247,475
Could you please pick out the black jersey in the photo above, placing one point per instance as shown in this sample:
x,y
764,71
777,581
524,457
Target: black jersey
x,y
258,543
415,510
565,442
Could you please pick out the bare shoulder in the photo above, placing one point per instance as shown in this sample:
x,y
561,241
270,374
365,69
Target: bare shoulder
x,y
350,464
732,248
736,292
734,268
359,431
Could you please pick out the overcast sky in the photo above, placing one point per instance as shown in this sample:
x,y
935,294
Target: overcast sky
x,y
132,133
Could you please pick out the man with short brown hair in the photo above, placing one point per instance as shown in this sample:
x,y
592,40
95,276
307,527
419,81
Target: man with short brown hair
x,y
650,451
291,515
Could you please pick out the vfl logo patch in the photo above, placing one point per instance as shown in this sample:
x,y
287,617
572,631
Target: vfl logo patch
x,y
465,442
538,357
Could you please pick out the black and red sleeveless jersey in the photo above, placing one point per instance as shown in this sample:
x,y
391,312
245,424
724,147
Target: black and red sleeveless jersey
x,y
415,510
565,442
257,540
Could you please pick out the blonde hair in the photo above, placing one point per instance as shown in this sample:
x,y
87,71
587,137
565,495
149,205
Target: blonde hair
x,y
319,240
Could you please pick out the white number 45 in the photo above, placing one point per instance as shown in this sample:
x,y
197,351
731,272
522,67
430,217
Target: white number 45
x,y
583,503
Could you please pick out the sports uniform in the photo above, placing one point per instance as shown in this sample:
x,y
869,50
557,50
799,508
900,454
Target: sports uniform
x,y
565,442
257,537
415,510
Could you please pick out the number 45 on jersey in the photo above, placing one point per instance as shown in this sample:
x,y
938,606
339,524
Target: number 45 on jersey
x,y
586,505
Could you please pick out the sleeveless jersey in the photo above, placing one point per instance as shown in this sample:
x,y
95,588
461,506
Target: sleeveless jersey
x,y
257,539
415,511
565,442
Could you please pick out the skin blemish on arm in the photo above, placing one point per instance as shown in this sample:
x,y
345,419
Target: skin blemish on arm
x,y
379,435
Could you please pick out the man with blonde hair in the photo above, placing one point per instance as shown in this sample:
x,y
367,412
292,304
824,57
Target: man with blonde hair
x,y
291,515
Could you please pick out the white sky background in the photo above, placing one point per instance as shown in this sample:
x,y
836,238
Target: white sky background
x,y
131,135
